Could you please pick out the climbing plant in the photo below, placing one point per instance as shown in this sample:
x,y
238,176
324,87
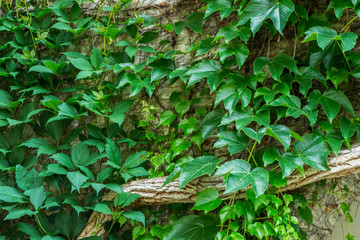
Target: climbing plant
x,y
80,114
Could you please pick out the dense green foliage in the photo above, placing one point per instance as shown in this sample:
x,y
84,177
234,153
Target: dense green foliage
x,y
79,115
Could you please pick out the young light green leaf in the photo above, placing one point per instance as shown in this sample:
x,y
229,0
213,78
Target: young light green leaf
x,y
166,118
188,125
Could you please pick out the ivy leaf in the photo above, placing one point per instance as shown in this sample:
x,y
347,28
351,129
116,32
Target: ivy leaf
x,y
96,58
81,64
10,194
166,118
194,227
113,152
340,5
236,141
19,212
198,167
306,77
135,215
279,132
323,35
240,51
230,94
209,69
241,176
348,40
330,101
210,122
227,212
313,151
137,84
276,65
288,161
306,214
194,21
207,200
179,145
228,32
217,5
188,125
43,146
37,196
243,118
259,10
348,127
77,179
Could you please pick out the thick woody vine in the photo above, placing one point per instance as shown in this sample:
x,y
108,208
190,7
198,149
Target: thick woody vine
x,y
80,116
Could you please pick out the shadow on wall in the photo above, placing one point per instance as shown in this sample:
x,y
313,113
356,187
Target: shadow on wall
x,y
342,228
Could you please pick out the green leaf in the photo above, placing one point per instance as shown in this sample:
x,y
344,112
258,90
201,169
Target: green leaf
x,y
207,200
131,51
194,21
259,10
19,212
63,159
166,118
242,118
306,77
209,69
241,176
81,64
210,122
279,132
227,212
331,101
198,167
240,51
306,214
179,145
182,107
234,140
10,194
348,40
113,152
313,151
276,65
188,125
193,227
323,35
228,32
96,58
5,100
43,146
348,127
77,179
217,5
37,196
102,208
339,6
135,159
135,215
29,230
41,69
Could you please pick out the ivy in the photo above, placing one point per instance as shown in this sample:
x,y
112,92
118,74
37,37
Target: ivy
x,y
91,102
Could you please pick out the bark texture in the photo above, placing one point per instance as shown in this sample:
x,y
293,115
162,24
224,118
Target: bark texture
x,y
153,192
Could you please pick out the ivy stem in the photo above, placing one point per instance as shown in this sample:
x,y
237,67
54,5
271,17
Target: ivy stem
x,y
349,23
42,228
347,62
251,153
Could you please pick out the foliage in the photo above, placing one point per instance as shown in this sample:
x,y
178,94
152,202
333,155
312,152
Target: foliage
x,y
78,120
